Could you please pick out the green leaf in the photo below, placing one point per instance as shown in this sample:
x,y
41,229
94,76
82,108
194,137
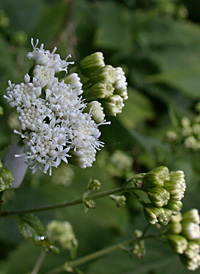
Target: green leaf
x,y
32,229
6,178
113,31
137,108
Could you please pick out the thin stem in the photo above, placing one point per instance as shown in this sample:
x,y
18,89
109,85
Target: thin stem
x,y
66,204
69,266
39,263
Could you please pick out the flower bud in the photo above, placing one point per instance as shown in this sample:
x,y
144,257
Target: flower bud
x,y
178,243
113,105
192,216
120,84
191,264
156,215
177,218
156,177
91,63
94,185
176,185
75,82
98,91
62,232
174,206
174,228
158,196
190,230
192,249
96,111
119,200
106,74
6,178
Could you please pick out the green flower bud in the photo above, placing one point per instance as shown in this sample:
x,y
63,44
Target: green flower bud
x,y
94,185
176,185
165,217
106,74
190,230
191,264
177,218
178,243
156,215
174,228
98,91
158,196
119,200
174,206
90,64
96,111
74,80
113,105
192,216
120,84
62,233
192,249
156,177
6,178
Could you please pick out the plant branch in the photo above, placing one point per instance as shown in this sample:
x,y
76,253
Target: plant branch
x,y
69,266
67,203
39,262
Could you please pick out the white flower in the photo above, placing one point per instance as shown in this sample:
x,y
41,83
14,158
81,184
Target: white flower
x,y
51,112
47,58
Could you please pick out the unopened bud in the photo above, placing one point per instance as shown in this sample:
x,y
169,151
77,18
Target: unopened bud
x,y
91,63
156,215
113,105
106,74
192,216
175,228
98,91
156,177
178,243
191,263
119,200
192,249
96,111
159,196
6,178
177,218
190,230
74,80
175,206
94,185
120,84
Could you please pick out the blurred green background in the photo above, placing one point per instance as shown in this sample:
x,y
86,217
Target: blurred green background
x,y
157,42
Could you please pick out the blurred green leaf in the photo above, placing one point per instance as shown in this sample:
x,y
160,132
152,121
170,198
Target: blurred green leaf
x,y
138,108
32,229
113,29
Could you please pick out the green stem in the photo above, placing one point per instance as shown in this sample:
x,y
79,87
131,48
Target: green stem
x,y
69,266
39,263
68,203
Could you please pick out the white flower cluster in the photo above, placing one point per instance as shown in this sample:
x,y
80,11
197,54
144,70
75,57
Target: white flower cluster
x,y
54,125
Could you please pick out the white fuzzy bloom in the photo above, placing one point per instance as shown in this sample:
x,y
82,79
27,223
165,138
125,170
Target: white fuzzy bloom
x,y
47,58
54,125
43,76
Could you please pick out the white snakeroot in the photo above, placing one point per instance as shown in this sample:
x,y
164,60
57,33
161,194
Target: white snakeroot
x,y
54,125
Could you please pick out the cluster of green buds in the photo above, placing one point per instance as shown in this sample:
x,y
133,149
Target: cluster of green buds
x,y
185,237
188,132
105,87
61,232
6,178
165,191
